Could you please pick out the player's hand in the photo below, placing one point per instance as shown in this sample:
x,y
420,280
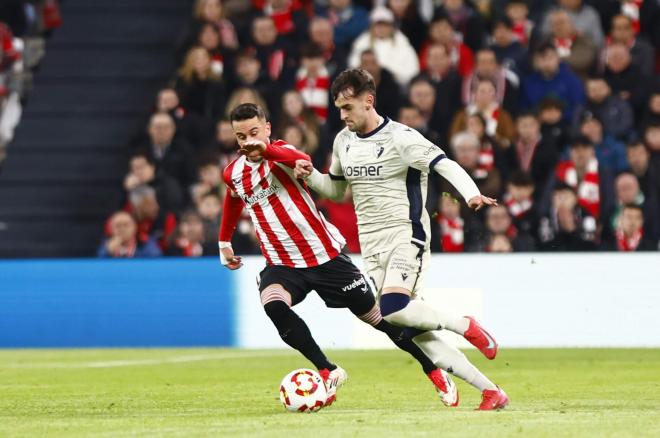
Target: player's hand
x,y
233,261
253,149
303,169
478,202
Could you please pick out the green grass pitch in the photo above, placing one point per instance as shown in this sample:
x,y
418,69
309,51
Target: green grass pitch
x,y
226,393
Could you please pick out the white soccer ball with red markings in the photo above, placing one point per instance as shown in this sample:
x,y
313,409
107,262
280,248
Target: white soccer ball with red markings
x,y
303,390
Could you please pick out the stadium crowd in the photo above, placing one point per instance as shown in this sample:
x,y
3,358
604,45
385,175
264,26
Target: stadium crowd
x,y
24,24
553,107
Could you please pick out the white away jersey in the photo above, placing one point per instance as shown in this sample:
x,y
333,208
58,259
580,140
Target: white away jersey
x,y
387,171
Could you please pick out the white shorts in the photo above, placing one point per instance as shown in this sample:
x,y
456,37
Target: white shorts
x,y
402,267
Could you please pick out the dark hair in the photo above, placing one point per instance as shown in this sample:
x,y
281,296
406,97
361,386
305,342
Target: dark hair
x,y
560,186
311,50
143,153
356,80
551,103
531,114
247,111
581,140
543,47
521,179
503,21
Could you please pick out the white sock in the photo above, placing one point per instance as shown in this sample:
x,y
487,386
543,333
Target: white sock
x,y
452,360
420,315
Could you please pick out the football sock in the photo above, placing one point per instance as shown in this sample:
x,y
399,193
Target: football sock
x,y
296,334
402,339
400,310
452,360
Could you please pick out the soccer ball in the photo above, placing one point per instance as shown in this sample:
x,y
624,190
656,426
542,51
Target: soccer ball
x,y
303,390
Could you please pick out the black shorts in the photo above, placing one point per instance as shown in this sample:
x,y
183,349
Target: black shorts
x,y
338,282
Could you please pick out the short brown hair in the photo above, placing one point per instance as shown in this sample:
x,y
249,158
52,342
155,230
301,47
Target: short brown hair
x,y
355,79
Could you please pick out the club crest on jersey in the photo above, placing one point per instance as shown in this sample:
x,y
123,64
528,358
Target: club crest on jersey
x,y
378,150
348,146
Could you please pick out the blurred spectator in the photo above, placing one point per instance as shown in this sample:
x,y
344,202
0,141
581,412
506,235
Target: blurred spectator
x,y
592,183
625,79
313,81
629,234
171,155
411,116
638,157
577,50
584,17
210,11
194,128
388,91
651,113
199,85
518,12
568,227
223,143
498,223
506,82
510,52
209,181
499,123
441,31
209,208
499,243
249,74
466,149
293,134
492,153
152,221
321,33
276,57
392,48
465,20
189,239
222,59
142,171
422,95
641,52
246,95
123,240
553,125
348,20
627,192
295,112
519,201
409,20
289,19
447,83
535,154
452,233
610,152
615,113
551,78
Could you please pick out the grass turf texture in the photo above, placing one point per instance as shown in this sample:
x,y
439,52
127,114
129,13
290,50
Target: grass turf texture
x,y
213,392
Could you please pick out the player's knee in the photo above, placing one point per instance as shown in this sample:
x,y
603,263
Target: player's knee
x,y
391,304
277,310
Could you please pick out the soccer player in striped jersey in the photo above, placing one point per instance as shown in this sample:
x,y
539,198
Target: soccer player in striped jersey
x,y
302,249
386,165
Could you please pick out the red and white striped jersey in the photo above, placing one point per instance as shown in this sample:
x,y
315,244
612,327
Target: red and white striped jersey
x,y
291,230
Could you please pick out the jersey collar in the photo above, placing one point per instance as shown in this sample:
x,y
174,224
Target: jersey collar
x,y
381,126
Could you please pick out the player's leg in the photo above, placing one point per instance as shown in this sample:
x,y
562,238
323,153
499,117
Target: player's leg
x,y
402,275
277,301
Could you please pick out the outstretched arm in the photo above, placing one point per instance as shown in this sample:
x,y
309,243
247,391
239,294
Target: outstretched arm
x,y
459,178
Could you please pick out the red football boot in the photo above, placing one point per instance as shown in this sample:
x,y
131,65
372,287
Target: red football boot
x,y
493,399
481,339
333,380
445,387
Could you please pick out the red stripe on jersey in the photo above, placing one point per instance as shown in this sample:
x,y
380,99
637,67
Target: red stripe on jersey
x,y
263,223
304,208
289,225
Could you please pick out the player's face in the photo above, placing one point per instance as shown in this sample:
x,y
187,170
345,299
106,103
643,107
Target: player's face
x,y
250,130
353,110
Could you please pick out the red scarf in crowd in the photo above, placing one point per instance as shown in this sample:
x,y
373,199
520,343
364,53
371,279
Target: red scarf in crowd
x,y
314,91
452,237
631,243
526,154
188,248
126,250
522,30
517,209
588,190
564,46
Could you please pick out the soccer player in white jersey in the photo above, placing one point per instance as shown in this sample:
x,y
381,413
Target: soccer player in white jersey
x,y
386,165
302,249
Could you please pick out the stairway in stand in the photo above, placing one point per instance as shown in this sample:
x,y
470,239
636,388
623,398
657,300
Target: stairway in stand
x,y
94,88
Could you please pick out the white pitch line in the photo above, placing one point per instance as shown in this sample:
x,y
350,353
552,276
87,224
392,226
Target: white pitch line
x,y
140,362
